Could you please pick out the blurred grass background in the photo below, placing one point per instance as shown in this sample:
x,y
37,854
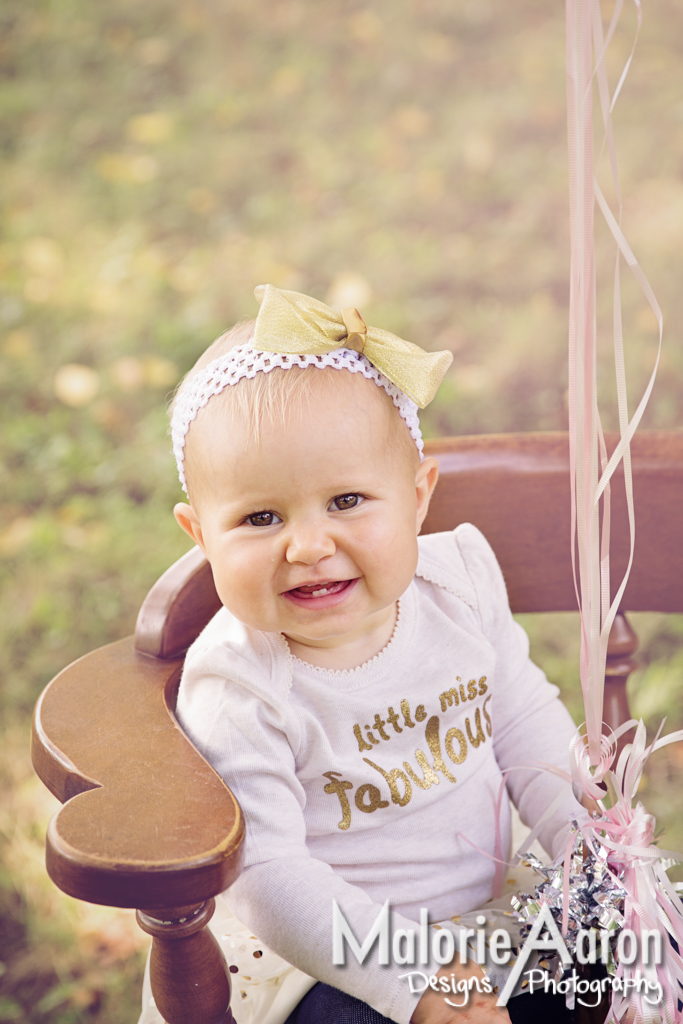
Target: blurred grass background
x,y
158,161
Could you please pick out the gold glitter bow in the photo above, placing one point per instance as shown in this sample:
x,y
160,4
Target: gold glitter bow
x,y
294,324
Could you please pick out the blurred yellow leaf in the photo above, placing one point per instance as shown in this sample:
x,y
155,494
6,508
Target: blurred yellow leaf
x,y
150,128
104,297
160,373
187,276
119,37
654,217
646,321
18,344
150,260
535,66
128,373
128,168
365,26
153,51
39,289
110,416
76,385
472,379
459,247
437,47
142,168
43,256
279,274
201,200
430,183
287,81
477,150
87,535
411,121
131,374
229,111
349,289
16,536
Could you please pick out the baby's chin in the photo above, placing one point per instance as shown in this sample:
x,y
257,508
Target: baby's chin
x,y
340,630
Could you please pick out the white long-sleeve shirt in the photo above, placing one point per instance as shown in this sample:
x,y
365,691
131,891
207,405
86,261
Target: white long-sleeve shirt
x,y
380,782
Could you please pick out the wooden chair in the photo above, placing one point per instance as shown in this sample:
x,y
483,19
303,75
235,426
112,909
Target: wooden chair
x,y
147,823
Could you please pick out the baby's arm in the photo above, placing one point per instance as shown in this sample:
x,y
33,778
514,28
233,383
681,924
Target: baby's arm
x,y
531,724
283,893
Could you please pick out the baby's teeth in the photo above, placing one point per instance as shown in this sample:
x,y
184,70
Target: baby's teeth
x,y
320,593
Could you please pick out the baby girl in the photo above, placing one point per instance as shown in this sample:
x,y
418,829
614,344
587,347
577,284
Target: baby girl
x,y
363,690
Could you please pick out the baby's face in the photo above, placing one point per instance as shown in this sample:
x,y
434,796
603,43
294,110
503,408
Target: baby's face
x,y
311,529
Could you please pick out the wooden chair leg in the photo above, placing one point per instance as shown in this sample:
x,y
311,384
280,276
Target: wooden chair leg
x,y
621,647
188,972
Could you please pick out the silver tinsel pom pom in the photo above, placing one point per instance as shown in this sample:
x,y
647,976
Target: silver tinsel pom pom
x,y
596,901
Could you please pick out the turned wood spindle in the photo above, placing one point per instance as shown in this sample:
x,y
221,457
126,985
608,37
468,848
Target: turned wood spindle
x,y
188,973
621,647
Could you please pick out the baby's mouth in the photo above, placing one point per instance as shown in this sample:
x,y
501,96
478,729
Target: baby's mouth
x,y
310,591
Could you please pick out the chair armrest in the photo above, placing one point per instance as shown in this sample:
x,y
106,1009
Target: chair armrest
x,y
146,822
177,607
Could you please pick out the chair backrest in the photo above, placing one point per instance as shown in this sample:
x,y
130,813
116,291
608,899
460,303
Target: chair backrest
x,y
515,488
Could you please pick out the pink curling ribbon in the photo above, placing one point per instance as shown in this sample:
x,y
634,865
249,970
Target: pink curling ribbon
x,y
625,832
624,836
590,469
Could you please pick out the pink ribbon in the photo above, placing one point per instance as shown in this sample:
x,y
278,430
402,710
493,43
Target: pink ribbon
x,y
625,832
591,469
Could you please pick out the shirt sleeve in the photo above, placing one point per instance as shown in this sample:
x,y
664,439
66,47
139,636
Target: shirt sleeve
x,y
531,725
283,893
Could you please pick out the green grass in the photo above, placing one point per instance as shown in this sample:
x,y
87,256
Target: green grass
x,y
158,161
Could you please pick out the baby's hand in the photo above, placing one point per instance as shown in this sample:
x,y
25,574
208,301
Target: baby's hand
x,y
480,1007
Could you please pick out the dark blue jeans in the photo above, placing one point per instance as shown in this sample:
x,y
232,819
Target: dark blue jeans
x,y
326,1005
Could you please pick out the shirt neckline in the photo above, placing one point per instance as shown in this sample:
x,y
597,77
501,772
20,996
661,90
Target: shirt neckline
x,y
376,667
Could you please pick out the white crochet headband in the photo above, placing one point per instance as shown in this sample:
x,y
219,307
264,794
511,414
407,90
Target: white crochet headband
x,y
244,361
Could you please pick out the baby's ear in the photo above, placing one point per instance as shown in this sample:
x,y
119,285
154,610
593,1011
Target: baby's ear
x,y
425,482
188,520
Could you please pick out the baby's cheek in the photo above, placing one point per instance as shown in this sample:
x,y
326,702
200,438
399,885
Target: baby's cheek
x,y
239,581
391,561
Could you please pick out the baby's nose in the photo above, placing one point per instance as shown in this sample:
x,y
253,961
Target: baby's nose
x,y
309,545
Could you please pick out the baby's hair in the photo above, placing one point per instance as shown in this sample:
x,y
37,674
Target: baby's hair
x,y
270,397
265,396
240,334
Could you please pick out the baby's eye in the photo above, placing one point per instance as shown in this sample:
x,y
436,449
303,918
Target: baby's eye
x,y
345,501
263,519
